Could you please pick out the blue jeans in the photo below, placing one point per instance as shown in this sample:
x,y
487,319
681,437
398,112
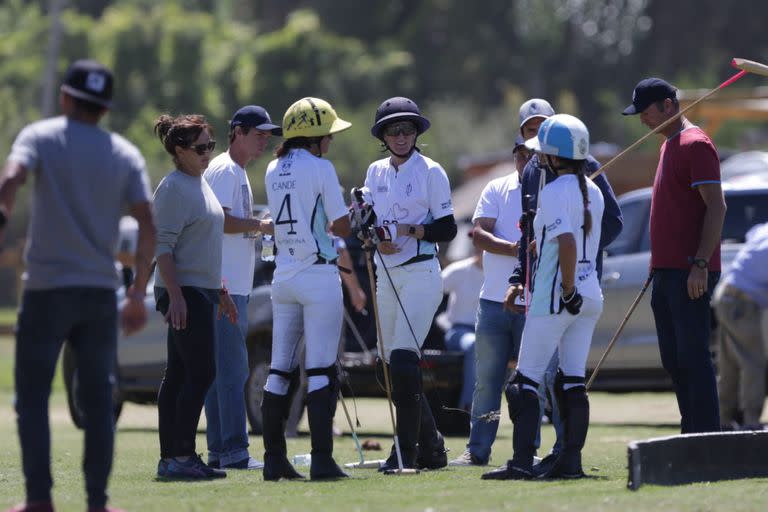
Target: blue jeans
x,y
462,337
497,340
87,319
683,328
227,432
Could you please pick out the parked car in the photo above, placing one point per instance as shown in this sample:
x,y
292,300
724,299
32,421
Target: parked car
x,y
634,362
141,358
748,167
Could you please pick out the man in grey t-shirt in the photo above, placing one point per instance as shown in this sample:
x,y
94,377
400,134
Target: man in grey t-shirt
x,y
84,178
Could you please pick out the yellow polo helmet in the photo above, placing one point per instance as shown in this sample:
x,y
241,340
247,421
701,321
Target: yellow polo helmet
x,y
312,117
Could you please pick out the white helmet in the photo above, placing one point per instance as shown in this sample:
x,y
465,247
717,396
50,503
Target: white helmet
x,y
561,135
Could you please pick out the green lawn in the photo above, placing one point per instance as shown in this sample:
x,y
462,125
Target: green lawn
x,y
8,316
617,419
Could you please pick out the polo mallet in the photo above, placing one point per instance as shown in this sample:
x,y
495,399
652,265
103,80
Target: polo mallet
x,y
745,66
621,328
363,464
387,384
357,198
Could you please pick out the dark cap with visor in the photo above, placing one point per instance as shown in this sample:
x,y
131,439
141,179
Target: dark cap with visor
x,y
647,92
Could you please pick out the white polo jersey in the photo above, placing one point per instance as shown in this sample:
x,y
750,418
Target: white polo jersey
x,y
304,196
561,210
417,193
500,200
233,190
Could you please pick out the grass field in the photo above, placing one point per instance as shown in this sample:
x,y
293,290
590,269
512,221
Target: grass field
x,y
616,419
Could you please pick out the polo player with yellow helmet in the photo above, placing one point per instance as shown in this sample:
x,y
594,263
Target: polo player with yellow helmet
x,y
304,198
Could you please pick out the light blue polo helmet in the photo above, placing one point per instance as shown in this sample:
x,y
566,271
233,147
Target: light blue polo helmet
x,y
561,135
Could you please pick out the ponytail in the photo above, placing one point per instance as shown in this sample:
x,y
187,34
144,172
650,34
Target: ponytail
x,y
581,175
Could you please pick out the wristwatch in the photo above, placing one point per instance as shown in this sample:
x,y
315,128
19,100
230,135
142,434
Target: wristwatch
x,y
700,262
412,230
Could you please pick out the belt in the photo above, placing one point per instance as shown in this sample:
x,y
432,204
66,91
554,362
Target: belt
x,y
322,261
417,259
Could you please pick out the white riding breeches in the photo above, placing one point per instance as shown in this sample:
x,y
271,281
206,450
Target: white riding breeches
x,y
570,334
420,288
309,304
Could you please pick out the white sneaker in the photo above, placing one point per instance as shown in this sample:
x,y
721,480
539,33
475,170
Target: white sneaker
x,y
466,459
249,463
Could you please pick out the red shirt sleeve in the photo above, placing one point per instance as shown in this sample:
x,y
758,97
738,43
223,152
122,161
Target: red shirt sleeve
x,y
704,163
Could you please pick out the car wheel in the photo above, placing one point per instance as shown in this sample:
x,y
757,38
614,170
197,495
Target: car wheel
x,y
259,356
72,383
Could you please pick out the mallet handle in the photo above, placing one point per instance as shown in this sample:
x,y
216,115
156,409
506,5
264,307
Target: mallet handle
x,y
387,384
619,330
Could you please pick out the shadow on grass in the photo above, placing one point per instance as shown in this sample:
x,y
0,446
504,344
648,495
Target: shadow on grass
x,y
658,426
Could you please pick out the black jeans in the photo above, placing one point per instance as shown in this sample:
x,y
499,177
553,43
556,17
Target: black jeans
x,y
683,327
189,373
87,319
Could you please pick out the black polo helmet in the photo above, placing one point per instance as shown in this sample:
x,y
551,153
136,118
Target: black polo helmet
x,y
398,109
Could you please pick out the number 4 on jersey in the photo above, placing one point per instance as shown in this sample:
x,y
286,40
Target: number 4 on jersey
x,y
285,208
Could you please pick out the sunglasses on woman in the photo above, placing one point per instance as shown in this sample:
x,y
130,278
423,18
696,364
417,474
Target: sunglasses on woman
x,y
202,149
405,128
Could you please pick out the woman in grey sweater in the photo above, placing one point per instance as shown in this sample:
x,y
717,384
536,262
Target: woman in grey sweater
x,y
190,226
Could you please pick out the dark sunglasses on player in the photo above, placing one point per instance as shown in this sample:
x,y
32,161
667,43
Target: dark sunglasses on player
x,y
405,128
202,149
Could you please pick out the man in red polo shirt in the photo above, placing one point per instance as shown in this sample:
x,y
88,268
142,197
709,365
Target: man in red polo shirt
x,y
687,212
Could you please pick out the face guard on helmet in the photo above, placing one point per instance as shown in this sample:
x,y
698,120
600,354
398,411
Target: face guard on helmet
x,y
561,135
396,110
312,117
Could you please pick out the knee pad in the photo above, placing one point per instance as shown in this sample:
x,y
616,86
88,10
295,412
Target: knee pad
x,y
518,396
330,374
405,375
574,396
281,382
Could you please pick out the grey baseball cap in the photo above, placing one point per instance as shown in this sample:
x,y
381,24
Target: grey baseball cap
x,y
535,107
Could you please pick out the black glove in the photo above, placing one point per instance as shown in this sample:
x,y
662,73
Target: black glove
x,y
361,215
517,277
571,302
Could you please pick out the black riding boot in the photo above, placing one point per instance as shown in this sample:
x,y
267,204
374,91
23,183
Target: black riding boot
x,y
524,412
406,395
431,451
573,404
320,408
274,413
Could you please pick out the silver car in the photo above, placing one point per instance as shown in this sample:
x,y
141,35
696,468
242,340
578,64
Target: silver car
x,y
634,361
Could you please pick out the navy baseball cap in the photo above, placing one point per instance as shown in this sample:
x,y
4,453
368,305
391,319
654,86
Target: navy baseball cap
x,y
519,143
257,117
647,92
89,81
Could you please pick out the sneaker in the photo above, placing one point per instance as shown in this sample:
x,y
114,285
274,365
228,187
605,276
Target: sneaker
x,y
467,459
247,463
105,509
214,463
192,468
162,468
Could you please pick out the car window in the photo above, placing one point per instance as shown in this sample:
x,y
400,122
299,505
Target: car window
x,y
635,214
744,211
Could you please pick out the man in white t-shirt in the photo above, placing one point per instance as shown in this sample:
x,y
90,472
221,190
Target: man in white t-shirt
x,y
462,281
498,331
249,133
